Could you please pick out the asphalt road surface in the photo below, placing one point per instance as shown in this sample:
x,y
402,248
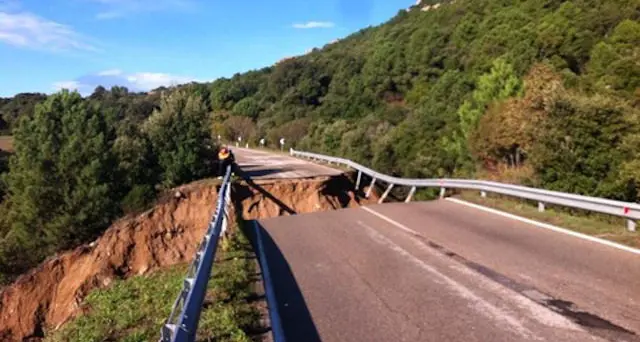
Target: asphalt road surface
x,y
264,165
441,271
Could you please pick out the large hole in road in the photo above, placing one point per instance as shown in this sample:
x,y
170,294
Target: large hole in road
x,y
51,294
272,198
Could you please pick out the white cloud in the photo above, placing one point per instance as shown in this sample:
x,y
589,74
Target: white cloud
x,y
31,31
140,81
13,39
150,80
314,24
71,85
120,8
110,72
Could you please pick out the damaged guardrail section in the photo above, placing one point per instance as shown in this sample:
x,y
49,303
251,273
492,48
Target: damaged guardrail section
x,y
628,210
182,324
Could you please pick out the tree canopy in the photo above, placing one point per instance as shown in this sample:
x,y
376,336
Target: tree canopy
x,y
80,163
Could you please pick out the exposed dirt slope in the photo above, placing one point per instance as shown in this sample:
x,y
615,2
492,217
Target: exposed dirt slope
x,y
50,295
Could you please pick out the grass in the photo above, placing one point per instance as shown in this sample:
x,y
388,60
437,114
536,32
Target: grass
x,y
603,226
6,143
135,309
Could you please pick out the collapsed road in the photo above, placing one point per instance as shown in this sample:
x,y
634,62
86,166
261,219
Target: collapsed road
x,y
440,271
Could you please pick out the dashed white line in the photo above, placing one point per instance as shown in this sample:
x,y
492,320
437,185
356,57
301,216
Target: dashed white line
x,y
397,224
535,311
479,304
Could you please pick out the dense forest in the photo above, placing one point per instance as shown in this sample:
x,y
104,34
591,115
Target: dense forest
x,y
80,163
539,92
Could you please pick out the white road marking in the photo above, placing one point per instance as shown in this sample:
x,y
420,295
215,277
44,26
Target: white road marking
x,y
534,310
482,306
397,224
548,226
539,313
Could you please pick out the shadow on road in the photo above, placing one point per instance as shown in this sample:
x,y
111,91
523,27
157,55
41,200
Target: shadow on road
x,y
341,188
296,321
295,318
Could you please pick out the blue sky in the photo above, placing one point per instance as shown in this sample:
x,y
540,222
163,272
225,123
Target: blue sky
x,y
142,44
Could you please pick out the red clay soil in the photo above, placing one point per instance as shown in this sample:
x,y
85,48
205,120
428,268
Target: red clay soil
x,y
50,295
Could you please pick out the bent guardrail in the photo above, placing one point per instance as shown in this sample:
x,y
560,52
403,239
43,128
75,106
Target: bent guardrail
x,y
628,210
182,327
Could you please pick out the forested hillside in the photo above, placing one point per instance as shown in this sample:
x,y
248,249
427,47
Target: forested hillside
x,y
541,92
13,108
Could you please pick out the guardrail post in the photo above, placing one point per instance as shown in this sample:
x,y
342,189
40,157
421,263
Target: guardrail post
x,y
631,225
373,183
358,180
541,207
225,218
386,193
483,194
411,193
442,192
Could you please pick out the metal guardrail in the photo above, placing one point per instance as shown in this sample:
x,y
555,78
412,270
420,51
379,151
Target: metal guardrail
x,y
182,323
628,210
270,293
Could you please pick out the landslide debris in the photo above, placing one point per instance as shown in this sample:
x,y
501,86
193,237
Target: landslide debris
x,y
51,294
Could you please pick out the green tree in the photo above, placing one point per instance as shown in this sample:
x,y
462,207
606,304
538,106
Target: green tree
x,y
239,127
138,168
20,105
614,62
247,107
60,184
579,146
180,138
506,132
292,132
4,167
499,84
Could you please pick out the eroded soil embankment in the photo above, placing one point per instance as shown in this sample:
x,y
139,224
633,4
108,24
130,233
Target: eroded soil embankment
x,y
48,296
272,198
